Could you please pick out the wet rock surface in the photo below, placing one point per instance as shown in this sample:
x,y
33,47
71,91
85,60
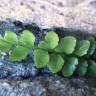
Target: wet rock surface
x,y
19,70
24,79
48,86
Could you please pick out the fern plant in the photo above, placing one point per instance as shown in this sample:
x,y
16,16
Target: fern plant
x,y
66,55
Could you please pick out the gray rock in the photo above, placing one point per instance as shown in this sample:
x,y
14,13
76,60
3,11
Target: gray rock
x,y
76,14
48,86
21,88
16,71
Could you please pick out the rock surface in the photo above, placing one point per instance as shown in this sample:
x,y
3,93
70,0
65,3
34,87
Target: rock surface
x,y
48,86
75,15
23,79
78,14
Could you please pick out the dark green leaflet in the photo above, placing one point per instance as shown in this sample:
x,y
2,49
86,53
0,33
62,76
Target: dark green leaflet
x,y
82,67
92,46
92,69
82,47
70,66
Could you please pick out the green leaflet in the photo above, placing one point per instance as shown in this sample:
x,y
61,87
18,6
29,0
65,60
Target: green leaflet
x,y
69,66
92,46
27,39
0,54
56,63
82,47
10,37
92,69
4,46
19,53
50,42
41,58
94,55
82,68
66,45
43,45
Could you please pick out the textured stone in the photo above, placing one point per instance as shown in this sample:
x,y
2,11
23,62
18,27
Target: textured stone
x,y
48,86
76,14
16,71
